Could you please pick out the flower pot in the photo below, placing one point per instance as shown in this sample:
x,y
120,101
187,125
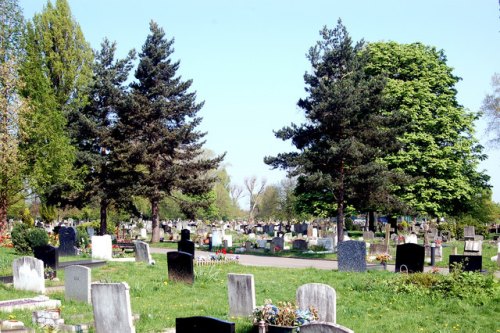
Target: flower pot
x,y
281,329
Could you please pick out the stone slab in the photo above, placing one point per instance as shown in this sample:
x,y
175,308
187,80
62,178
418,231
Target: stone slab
x,y
241,294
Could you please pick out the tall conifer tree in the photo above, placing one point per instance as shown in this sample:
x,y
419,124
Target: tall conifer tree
x,y
159,129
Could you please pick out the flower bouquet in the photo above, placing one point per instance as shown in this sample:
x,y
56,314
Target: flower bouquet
x,y
283,317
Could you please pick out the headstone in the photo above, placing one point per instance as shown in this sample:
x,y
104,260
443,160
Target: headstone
x,y
28,274
261,243
142,253
49,255
185,234
328,243
315,232
180,267
203,324
473,247
90,231
309,230
471,263
324,327
299,244
378,249
77,283
410,255
320,296
144,233
102,247
67,241
352,256
411,239
469,232
216,238
185,245
111,305
368,235
229,240
278,242
241,291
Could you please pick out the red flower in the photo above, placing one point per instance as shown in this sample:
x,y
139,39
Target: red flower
x,y
224,251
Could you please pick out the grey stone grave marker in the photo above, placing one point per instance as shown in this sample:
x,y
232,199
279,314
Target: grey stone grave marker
x,y
352,256
67,241
49,255
469,232
112,311
410,255
180,267
77,283
328,243
299,244
278,242
142,253
241,292
28,274
378,249
367,235
320,327
473,247
322,297
203,324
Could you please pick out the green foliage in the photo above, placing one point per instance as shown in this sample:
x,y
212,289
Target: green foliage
x,y
491,108
48,213
20,238
26,218
37,237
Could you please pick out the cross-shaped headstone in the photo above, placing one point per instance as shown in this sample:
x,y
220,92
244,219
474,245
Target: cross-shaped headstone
x,y
388,230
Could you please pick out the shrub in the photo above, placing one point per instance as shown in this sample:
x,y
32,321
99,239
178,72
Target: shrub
x,y
37,237
20,238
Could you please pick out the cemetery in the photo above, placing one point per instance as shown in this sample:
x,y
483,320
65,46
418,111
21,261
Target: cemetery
x,y
187,285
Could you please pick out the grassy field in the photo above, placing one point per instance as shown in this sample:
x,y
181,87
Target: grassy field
x,y
370,302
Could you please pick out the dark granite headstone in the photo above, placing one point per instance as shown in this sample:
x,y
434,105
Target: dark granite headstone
x,y
304,228
180,267
186,246
49,255
278,242
299,244
410,255
67,241
185,234
203,324
352,256
469,263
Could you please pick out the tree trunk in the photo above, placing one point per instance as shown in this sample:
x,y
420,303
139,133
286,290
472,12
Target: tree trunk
x,y
371,221
340,206
393,220
104,217
3,214
155,238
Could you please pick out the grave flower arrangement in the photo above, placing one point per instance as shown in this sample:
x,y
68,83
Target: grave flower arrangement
x,y
285,314
383,257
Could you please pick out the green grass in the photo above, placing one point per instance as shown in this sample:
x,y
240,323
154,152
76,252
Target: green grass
x,y
365,302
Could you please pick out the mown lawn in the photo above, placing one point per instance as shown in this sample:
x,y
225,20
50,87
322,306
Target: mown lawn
x,y
367,302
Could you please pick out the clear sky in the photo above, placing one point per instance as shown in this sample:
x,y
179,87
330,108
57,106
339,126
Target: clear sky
x,y
247,57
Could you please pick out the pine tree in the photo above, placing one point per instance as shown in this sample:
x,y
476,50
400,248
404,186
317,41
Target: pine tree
x,y
338,142
158,129
95,125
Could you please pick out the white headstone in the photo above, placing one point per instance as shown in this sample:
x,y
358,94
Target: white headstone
x,y
322,297
112,311
102,247
28,274
412,238
142,252
327,243
229,240
315,232
77,283
216,238
144,233
241,292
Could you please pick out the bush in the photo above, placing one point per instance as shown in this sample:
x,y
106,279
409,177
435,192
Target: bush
x,y
20,238
37,237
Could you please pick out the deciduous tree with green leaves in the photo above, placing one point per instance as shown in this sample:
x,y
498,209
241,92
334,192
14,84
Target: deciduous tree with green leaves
x,y
158,128
491,109
438,147
339,139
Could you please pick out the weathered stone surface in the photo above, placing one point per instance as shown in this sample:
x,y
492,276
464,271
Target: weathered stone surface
x,y
102,247
352,256
28,274
322,297
142,253
112,311
328,243
77,283
241,292
378,249
324,328
299,244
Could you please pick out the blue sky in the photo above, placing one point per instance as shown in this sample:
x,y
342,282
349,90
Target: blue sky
x,y
247,58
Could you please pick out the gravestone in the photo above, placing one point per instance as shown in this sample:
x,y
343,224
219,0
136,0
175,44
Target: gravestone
x,y
144,233
320,327
216,238
352,256
278,242
185,234
320,296
90,231
473,247
368,235
328,243
309,231
241,292
299,244
412,239
111,306
410,255
67,241
142,253
180,267
28,274
471,263
49,255
102,247
77,283
469,233
203,324
378,249
185,245
261,243
228,240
